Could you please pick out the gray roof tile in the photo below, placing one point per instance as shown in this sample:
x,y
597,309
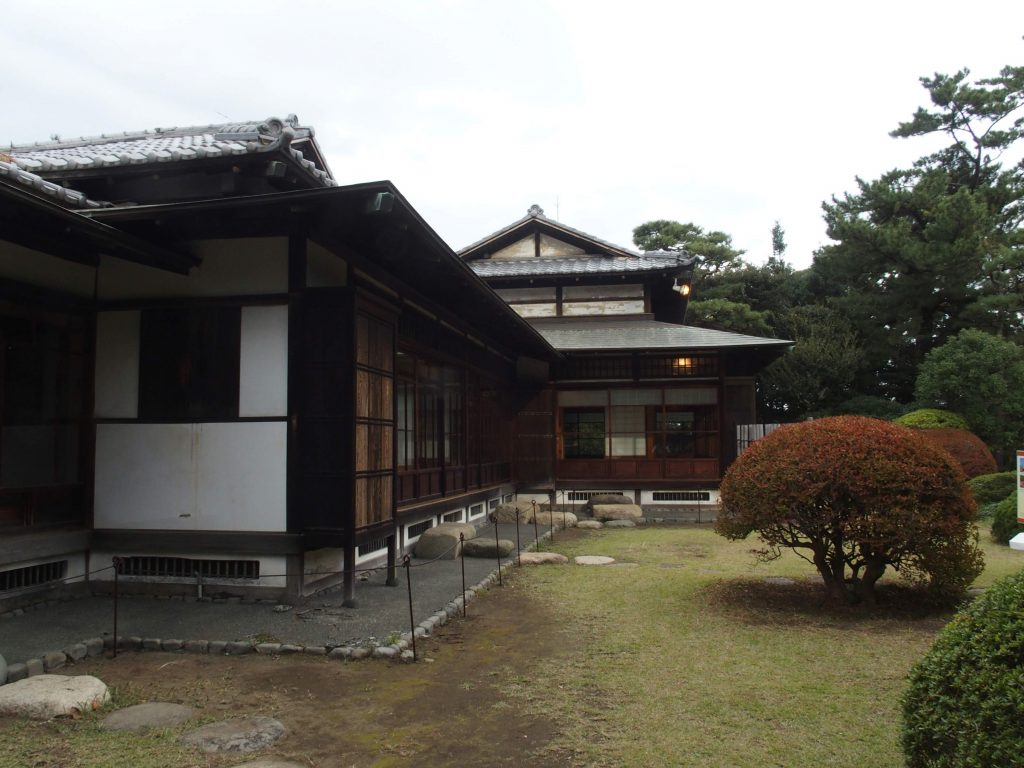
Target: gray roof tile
x,y
162,145
577,265
15,176
638,332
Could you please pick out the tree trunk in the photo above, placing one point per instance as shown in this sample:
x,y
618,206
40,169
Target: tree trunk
x,y
865,586
836,587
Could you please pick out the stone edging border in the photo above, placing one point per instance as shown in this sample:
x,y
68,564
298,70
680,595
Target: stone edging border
x,y
52,661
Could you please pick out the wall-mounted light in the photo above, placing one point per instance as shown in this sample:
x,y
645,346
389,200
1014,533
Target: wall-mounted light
x,y
682,290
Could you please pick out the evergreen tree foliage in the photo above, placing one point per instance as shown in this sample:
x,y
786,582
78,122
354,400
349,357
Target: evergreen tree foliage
x,y
922,253
981,377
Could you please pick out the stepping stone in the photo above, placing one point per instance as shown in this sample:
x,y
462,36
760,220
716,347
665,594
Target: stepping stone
x,y
484,547
241,734
620,524
272,763
156,714
42,697
782,581
543,558
593,560
442,541
592,525
617,512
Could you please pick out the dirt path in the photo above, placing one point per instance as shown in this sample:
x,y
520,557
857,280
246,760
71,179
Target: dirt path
x,y
448,711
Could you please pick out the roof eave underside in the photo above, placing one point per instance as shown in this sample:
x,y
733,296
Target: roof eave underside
x,y
352,201
102,237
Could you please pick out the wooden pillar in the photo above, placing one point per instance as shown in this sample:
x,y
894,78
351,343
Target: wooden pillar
x,y
294,580
392,580
349,578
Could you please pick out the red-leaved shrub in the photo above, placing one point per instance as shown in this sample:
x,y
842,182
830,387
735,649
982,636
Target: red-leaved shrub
x,y
855,495
965,447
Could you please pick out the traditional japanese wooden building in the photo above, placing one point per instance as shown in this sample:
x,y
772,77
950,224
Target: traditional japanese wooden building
x,y
219,364
259,389
640,402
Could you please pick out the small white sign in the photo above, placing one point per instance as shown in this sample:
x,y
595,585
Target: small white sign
x,y
1020,487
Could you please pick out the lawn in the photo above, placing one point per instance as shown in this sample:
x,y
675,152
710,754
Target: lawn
x,y
685,653
689,653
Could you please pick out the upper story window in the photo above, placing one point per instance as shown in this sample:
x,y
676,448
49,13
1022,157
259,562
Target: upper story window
x,y
189,363
575,300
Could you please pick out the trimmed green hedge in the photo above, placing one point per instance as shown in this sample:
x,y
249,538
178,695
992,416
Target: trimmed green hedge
x,y
932,418
988,488
1004,520
963,707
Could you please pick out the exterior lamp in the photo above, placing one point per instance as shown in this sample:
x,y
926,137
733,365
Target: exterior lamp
x,y
682,290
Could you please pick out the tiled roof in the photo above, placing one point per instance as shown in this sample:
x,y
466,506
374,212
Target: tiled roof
x,y
639,332
578,265
69,198
536,213
163,145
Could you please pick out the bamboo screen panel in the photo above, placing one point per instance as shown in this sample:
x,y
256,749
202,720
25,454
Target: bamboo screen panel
x,y
374,420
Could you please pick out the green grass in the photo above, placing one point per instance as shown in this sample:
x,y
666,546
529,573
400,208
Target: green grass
x,y
688,657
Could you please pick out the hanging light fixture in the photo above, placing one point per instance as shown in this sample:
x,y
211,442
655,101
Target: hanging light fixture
x,y
682,290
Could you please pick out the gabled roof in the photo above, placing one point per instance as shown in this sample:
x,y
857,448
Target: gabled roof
x,y
171,145
596,256
633,332
535,219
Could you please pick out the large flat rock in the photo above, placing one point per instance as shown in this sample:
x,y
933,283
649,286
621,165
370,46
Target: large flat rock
x,y
45,696
155,714
507,513
442,541
548,519
240,734
486,547
617,512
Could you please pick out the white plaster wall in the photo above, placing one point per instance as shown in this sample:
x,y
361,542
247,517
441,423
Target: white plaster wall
x,y
242,476
551,247
612,307
263,386
40,269
519,250
230,267
117,365
217,476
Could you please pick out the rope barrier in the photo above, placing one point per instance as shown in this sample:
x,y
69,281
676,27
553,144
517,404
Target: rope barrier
x,y
118,566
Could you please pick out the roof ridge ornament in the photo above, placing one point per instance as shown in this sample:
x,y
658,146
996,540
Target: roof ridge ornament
x,y
535,210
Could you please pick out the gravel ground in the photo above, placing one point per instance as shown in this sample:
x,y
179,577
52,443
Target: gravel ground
x,y
317,620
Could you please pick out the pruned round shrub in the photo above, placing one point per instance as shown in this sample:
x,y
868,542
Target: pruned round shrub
x,y
932,418
1004,519
965,447
992,487
964,704
854,496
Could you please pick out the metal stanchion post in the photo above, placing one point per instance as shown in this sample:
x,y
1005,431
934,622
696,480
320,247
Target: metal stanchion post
x,y
462,557
519,546
536,533
412,621
497,548
117,569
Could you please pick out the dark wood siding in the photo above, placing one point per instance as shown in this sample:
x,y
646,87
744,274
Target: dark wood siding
x,y
535,439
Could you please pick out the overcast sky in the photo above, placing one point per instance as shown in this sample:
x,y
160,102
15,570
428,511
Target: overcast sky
x,y
728,114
